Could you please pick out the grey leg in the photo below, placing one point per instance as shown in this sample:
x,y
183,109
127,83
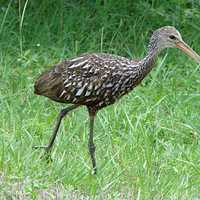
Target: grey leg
x,y
62,114
91,145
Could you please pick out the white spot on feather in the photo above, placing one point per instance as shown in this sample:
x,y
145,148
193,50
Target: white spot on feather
x,y
79,84
96,87
90,86
74,100
91,70
101,103
86,66
66,81
67,97
88,93
72,66
109,85
97,92
80,91
76,59
67,85
63,92
77,64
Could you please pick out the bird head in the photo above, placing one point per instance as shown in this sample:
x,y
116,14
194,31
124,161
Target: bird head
x,y
169,37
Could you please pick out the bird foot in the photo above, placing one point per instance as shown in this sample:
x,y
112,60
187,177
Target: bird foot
x,y
40,147
95,171
46,154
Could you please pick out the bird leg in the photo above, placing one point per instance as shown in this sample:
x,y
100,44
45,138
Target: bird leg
x,y
62,114
91,145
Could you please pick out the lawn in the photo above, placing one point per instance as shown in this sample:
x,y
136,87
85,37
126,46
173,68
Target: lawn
x,y
147,144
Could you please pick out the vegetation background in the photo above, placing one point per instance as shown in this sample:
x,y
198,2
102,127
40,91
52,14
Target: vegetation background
x,y
147,143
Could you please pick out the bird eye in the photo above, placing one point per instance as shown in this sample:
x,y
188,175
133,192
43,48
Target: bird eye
x,y
172,37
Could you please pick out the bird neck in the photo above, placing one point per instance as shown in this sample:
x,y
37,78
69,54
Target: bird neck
x,y
147,63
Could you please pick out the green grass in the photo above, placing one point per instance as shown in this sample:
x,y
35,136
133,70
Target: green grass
x,y
147,144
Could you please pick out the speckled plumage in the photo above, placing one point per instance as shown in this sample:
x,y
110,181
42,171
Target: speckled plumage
x,y
97,80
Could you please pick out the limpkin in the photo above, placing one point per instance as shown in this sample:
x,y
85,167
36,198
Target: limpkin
x,y
97,80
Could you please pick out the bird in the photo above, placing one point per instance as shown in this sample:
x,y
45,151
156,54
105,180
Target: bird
x,y
97,80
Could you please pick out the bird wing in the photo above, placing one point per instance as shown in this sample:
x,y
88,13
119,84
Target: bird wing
x,y
91,77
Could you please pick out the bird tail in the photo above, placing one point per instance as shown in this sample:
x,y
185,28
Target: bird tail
x,y
49,84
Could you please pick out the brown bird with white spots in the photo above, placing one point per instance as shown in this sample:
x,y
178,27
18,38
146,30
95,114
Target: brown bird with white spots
x,y
97,80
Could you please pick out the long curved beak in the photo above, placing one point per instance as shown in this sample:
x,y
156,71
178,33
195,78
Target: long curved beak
x,y
188,50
